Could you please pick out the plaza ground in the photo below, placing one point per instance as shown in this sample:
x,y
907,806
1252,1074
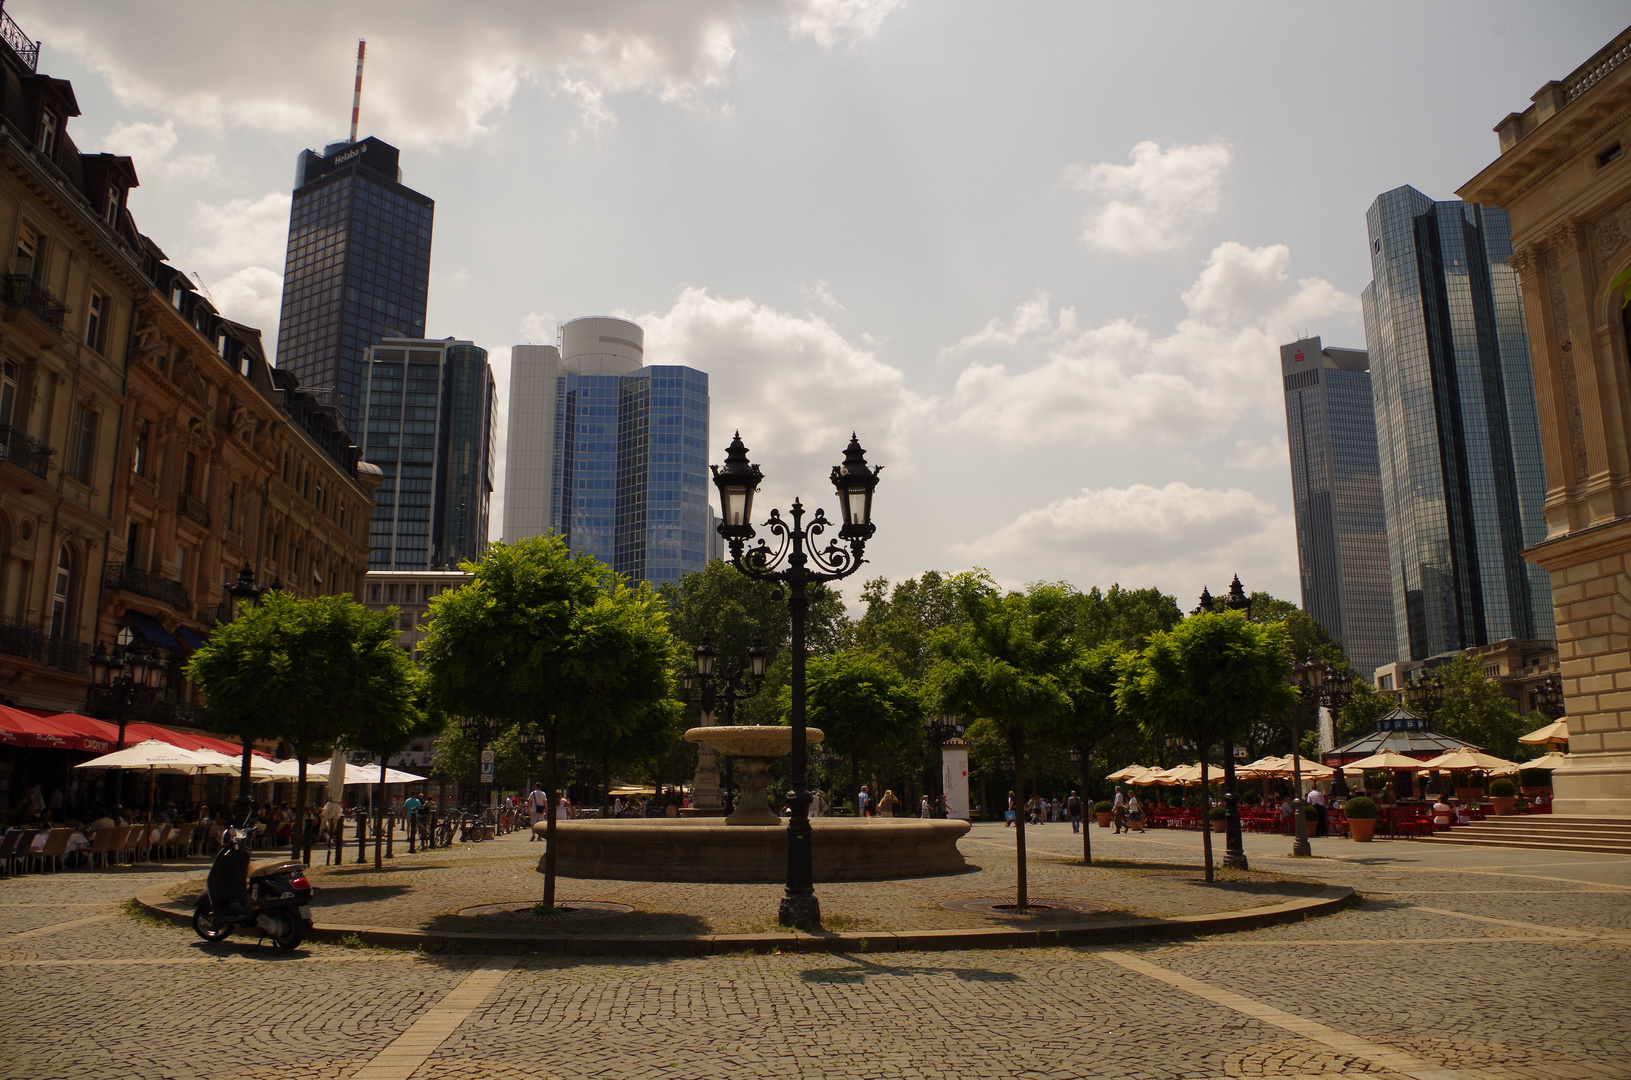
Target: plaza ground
x,y
1458,963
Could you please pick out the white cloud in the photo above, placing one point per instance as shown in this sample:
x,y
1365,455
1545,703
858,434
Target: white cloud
x,y
1257,456
435,76
1155,203
149,145
1178,537
821,294
251,296
831,22
1119,381
792,384
242,232
538,328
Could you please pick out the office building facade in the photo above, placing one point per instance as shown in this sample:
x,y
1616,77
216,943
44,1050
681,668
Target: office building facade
x,y
357,269
609,452
1462,477
1336,485
428,408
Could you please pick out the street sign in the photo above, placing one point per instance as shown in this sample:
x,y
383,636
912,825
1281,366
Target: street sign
x,y
486,771
487,757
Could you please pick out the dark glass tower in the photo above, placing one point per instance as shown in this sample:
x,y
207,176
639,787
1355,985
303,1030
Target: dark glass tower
x,y
1336,486
429,409
630,469
357,269
1462,476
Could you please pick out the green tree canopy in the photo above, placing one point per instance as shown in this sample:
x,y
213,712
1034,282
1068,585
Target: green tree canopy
x,y
1208,680
1094,717
862,705
1475,709
1126,617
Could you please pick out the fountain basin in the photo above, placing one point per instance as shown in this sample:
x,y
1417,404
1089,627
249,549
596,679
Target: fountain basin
x,y
752,748
709,850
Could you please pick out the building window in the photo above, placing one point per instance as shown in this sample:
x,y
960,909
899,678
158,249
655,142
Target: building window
x,y
82,443
8,392
407,594
96,317
48,133
62,595
392,593
373,594
113,207
232,505
26,261
133,543
144,430
189,471
181,565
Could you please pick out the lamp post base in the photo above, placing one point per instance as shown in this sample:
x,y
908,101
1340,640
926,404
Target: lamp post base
x,y
1300,846
1236,860
803,912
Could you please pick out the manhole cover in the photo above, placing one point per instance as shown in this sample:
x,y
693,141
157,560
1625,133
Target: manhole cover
x,y
1004,907
569,911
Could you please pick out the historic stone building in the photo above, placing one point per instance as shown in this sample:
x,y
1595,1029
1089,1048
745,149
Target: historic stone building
x,y
1564,176
73,274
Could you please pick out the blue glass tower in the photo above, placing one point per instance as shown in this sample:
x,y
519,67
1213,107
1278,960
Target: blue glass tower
x,y
1336,486
357,269
623,451
1463,480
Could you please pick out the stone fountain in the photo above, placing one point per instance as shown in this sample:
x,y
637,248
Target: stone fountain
x,y
751,844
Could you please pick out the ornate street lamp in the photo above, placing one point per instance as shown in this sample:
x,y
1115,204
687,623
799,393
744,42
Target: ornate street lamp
x,y
1310,675
726,687
1234,844
124,682
792,563
245,591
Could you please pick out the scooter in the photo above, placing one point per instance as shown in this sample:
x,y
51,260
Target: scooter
x,y
273,898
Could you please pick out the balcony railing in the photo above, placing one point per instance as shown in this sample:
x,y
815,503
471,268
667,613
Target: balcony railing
x,y
65,654
26,49
131,579
25,292
28,454
193,508
19,638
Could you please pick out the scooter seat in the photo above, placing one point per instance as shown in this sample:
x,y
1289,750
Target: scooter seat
x,y
285,866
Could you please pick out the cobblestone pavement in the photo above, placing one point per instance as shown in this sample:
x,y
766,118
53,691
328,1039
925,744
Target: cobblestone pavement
x,y
1461,963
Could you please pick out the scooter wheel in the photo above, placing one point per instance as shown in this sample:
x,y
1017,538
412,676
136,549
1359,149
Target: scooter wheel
x,y
205,925
291,941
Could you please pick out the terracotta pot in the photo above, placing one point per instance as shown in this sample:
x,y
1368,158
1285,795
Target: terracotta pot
x,y
1220,826
1363,828
1104,820
1503,804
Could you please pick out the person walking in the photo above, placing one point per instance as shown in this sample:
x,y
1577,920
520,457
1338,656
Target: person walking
x,y
1118,810
1073,810
538,805
1316,799
1135,814
863,803
923,808
1009,814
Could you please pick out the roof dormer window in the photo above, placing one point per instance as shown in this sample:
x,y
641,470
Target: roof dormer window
x,y
48,133
113,207
176,293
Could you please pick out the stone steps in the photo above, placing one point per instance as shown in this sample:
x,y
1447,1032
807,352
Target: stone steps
x,y
1551,833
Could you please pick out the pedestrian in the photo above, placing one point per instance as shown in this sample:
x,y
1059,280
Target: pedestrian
x,y
1073,810
538,805
1118,810
565,810
1316,799
923,808
1135,815
887,804
863,803
1012,811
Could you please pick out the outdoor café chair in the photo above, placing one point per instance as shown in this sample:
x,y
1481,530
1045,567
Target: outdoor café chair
x,y
53,850
105,840
132,844
14,848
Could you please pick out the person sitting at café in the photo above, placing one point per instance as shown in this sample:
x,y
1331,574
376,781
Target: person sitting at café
x,y
1286,814
1442,813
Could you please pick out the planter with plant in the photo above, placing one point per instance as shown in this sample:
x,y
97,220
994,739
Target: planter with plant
x,y
1103,809
1361,813
1503,795
1219,817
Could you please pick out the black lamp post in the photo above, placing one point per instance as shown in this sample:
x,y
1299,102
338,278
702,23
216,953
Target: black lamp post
x,y
1310,674
1425,693
1549,696
938,731
1234,844
124,682
245,591
797,565
725,688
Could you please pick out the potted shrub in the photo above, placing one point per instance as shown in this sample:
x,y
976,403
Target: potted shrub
x,y
1219,817
1361,813
1503,795
1102,810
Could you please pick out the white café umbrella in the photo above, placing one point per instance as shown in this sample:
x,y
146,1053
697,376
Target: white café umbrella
x,y
154,755
1387,760
1127,773
1466,758
1553,760
1555,732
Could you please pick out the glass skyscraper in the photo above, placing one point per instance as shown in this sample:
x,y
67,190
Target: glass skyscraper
x,y
357,269
619,447
1336,486
1463,481
429,413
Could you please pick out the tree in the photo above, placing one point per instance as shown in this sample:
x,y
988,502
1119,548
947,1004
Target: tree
x,y
1474,708
552,640
1208,679
1125,616
1358,717
310,671
862,706
1004,663
898,624
386,734
1090,681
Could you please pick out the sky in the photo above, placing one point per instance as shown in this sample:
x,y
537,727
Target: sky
x,y
1039,256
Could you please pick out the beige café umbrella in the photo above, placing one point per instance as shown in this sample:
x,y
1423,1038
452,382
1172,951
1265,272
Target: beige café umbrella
x,y
1466,758
1557,732
1553,760
1385,760
1127,773
154,755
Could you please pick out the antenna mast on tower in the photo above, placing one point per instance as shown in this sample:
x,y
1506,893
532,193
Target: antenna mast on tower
x,y
356,94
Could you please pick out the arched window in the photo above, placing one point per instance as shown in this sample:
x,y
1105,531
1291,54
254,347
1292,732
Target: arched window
x,y
62,593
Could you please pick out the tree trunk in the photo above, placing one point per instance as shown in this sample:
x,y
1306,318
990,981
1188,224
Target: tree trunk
x,y
1206,818
1087,809
379,814
549,818
1016,743
298,828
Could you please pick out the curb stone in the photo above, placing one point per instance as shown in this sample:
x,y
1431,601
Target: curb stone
x,y
1103,932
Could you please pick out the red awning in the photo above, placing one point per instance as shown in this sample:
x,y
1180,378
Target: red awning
x,y
27,727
